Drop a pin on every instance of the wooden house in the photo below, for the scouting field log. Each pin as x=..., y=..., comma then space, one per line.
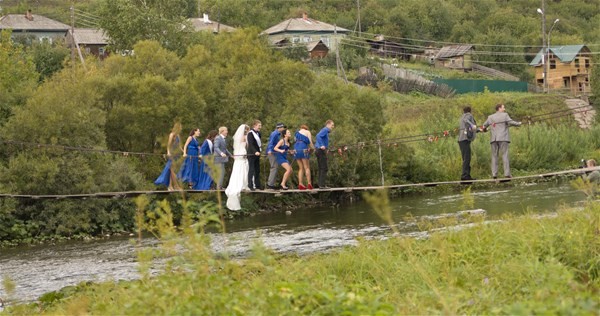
x=455, y=57
x=89, y=41
x=317, y=49
x=33, y=27
x=305, y=30
x=388, y=49
x=568, y=68
x=204, y=24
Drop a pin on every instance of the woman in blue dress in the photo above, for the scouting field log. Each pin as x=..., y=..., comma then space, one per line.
x=281, y=150
x=168, y=177
x=302, y=148
x=205, y=179
x=189, y=169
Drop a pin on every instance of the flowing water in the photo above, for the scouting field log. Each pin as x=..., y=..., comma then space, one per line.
x=40, y=269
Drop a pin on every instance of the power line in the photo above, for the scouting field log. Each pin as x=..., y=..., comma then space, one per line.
x=393, y=52
x=360, y=144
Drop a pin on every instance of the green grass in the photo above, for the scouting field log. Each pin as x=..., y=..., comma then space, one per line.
x=521, y=265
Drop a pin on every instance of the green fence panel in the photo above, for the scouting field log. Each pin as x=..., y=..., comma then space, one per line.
x=468, y=86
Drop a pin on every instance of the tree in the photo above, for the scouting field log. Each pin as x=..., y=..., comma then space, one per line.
x=128, y=22
x=18, y=77
x=48, y=57
x=595, y=81
x=63, y=112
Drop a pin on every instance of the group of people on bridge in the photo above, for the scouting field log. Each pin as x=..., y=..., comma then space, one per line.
x=202, y=162
x=213, y=154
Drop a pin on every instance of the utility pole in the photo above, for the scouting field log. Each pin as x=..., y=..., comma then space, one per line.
x=545, y=48
x=358, y=9
x=337, y=50
x=218, y=18
x=73, y=33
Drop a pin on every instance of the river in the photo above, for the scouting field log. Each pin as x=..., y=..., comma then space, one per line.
x=40, y=269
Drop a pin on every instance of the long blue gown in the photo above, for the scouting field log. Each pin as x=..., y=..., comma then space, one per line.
x=165, y=175
x=204, y=178
x=189, y=170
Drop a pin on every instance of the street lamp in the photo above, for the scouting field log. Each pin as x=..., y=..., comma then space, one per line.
x=548, y=54
x=545, y=80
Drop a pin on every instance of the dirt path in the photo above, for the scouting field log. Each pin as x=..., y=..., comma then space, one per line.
x=585, y=118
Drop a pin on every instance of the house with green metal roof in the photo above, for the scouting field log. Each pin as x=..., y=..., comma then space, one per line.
x=568, y=68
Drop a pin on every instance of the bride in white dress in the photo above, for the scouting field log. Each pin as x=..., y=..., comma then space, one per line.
x=239, y=173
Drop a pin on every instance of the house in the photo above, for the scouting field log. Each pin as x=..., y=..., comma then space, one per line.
x=306, y=30
x=33, y=27
x=384, y=48
x=205, y=24
x=89, y=41
x=455, y=57
x=317, y=49
x=569, y=68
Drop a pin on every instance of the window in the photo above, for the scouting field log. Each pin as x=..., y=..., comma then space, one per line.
x=306, y=39
x=295, y=39
x=101, y=51
x=553, y=64
x=576, y=62
x=567, y=82
x=587, y=63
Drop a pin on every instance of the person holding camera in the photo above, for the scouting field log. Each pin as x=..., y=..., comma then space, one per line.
x=594, y=176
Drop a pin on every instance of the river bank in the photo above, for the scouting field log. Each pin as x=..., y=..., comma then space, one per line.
x=261, y=205
x=375, y=276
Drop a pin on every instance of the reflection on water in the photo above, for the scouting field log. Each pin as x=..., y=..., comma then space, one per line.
x=40, y=269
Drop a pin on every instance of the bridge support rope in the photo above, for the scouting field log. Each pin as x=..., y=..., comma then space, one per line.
x=128, y=194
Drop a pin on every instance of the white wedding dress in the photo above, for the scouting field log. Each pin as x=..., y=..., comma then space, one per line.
x=239, y=173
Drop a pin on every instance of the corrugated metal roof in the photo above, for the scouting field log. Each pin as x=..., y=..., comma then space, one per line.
x=565, y=53
x=18, y=22
x=453, y=51
x=90, y=37
x=303, y=25
x=200, y=25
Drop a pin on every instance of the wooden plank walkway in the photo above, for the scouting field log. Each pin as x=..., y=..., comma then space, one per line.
x=127, y=194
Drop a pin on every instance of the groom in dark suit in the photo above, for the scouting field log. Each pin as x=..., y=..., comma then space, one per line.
x=254, y=144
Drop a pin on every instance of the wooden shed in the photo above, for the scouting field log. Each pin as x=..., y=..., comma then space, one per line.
x=455, y=57
x=317, y=49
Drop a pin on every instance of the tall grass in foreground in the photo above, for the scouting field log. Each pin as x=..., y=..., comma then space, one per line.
x=521, y=265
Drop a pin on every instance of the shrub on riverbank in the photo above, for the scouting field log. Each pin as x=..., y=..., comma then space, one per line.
x=522, y=265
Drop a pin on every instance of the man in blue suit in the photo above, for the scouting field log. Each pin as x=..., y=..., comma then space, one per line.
x=322, y=145
x=273, y=139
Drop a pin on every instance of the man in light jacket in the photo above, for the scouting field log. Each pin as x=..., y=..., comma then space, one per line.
x=500, y=138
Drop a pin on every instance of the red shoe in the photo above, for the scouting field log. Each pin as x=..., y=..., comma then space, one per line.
x=301, y=187
x=310, y=187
